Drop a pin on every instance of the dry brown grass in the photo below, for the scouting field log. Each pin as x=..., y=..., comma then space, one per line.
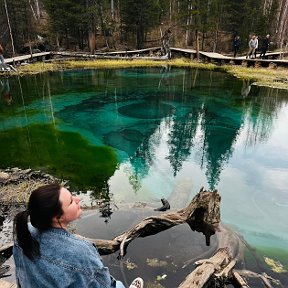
x=20, y=192
x=271, y=77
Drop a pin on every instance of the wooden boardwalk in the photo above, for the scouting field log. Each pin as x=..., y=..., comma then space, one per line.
x=222, y=59
x=24, y=58
x=153, y=53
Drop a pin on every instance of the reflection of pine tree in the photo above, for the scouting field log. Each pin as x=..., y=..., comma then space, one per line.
x=220, y=133
x=180, y=142
x=260, y=112
x=143, y=158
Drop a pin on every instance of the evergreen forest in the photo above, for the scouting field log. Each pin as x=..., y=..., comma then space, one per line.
x=107, y=25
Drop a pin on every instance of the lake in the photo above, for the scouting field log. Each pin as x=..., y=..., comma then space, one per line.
x=137, y=135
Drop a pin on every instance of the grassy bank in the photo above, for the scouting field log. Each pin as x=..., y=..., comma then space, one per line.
x=275, y=78
x=271, y=77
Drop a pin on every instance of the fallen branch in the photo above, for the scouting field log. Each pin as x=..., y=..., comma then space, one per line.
x=263, y=277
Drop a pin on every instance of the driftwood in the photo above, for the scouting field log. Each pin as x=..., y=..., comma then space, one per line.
x=217, y=271
x=200, y=276
x=204, y=208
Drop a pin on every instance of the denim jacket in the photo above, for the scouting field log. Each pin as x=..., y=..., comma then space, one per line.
x=65, y=261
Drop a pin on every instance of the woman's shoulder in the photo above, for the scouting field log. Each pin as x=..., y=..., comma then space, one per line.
x=64, y=248
x=64, y=240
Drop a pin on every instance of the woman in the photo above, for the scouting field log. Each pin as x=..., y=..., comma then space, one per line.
x=47, y=255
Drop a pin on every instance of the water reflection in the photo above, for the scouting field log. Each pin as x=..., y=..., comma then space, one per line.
x=5, y=92
x=246, y=87
x=201, y=114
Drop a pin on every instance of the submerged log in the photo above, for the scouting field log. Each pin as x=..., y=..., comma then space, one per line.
x=204, y=209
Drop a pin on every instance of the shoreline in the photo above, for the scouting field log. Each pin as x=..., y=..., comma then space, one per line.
x=268, y=77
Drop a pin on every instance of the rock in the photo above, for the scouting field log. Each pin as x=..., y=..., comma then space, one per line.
x=4, y=176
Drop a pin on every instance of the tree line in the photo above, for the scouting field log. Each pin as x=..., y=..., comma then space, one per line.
x=127, y=24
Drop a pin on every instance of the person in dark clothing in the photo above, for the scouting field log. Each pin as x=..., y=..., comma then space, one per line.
x=2, y=61
x=265, y=46
x=236, y=44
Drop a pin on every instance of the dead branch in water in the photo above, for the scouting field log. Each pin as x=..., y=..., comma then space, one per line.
x=204, y=208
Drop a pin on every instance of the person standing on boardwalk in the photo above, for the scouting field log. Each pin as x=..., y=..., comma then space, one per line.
x=2, y=61
x=236, y=44
x=256, y=47
x=47, y=255
x=166, y=43
x=252, y=45
x=265, y=46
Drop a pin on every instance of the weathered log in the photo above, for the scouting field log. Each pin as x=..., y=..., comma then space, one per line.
x=202, y=274
x=204, y=208
x=238, y=279
x=225, y=272
x=218, y=270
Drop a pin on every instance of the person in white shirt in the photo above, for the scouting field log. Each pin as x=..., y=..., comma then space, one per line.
x=252, y=45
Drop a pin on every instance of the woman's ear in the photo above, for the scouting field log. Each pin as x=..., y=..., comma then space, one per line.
x=56, y=221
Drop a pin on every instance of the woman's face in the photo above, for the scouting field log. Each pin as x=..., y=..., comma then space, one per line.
x=70, y=207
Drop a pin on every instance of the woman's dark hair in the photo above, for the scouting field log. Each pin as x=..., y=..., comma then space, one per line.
x=42, y=207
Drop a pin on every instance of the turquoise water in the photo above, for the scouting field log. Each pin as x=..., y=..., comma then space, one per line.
x=142, y=134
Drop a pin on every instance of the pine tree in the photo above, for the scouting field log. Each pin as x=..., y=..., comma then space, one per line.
x=139, y=17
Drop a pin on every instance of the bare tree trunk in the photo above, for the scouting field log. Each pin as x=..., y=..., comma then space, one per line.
x=188, y=24
x=215, y=39
x=197, y=43
x=282, y=22
x=9, y=26
x=38, y=12
x=170, y=12
x=57, y=41
x=92, y=42
x=32, y=9
x=266, y=6
x=217, y=29
x=112, y=9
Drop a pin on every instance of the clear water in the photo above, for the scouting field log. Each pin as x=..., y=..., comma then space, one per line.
x=142, y=134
